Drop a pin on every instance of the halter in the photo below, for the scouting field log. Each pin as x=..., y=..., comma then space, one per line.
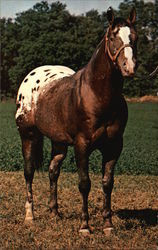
x=114, y=57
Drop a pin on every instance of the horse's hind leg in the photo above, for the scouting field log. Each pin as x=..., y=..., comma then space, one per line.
x=31, y=143
x=58, y=155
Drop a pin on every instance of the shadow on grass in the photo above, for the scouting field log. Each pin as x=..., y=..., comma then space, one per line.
x=147, y=216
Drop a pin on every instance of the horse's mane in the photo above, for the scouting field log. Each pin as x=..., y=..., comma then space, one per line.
x=96, y=50
x=119, y=20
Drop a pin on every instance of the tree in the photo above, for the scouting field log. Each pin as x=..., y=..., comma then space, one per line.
x=49, y=34
x=54, y=37
x=9, y=50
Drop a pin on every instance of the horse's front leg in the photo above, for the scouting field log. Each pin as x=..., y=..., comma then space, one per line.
x=58, y=155
x=84, y=180
x=107, y=182
x=110, y=156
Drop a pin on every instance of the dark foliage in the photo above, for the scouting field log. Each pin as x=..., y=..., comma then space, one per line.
x=49, y=34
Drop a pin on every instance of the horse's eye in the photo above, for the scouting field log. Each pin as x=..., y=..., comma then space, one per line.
x=111, y=39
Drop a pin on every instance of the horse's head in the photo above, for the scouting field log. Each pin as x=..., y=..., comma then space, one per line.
x=121, y=39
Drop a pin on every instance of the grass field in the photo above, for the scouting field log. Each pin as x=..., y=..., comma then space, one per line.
x=134, y=207
x=139, y=156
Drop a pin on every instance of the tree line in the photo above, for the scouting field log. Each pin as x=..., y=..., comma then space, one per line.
x=48, y=34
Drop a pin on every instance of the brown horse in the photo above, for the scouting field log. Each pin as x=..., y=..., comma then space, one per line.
x=84, y=109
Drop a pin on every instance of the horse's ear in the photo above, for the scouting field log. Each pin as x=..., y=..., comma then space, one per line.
x=132, y=16
x=110, y=15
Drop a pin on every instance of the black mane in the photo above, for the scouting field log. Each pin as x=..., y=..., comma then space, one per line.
x=119, y=21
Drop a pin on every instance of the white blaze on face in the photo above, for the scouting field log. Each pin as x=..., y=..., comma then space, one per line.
x=124, y=33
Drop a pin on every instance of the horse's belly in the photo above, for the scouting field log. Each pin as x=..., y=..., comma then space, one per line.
x=54, y=115
x=54, y=130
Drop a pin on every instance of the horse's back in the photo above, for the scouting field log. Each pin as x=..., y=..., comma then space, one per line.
x=31, y=87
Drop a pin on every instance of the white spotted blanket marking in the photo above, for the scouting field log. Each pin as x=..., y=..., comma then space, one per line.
x=34, y=81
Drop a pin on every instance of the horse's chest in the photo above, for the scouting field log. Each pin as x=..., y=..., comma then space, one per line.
x=113, y=128
x=109, y=129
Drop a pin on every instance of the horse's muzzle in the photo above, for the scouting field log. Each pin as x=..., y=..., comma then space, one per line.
x=128, y=73
x=128, y=70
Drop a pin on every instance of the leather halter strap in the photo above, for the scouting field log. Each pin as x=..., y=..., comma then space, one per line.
x=114, y=57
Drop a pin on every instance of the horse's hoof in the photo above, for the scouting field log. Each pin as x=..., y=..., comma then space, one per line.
x=85, y=231
x=108, y=231
x=55, y=216
x=29, y=221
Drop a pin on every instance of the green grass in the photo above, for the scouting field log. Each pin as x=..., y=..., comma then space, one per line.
x=140, y=153
x=139, y=156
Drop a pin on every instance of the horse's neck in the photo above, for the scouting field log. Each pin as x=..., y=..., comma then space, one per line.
x=104, y=79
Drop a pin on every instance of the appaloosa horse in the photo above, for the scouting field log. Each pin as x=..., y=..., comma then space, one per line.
x=84, y=109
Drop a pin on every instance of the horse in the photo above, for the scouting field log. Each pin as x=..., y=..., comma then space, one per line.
x=84, y=109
